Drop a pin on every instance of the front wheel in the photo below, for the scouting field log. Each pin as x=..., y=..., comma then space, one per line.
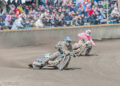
x=64, y=63
x=87, y=52
x=35, y=66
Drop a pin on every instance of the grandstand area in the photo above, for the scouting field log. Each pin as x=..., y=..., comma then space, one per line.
x=29, y=14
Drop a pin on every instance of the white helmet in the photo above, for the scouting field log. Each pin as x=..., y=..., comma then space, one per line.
x=88, y=32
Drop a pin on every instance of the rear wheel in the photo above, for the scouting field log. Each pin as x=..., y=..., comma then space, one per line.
x=88, y=51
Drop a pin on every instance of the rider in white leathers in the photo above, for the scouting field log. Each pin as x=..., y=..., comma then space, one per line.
x=63, y=47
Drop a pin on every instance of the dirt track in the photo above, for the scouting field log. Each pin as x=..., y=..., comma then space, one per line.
x=102, y=69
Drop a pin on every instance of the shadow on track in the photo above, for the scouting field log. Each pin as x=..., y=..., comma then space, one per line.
x=67, y=69
x=75, y=68
x=91, y=55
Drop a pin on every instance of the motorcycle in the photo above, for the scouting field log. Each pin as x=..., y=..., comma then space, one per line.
x=63, y=64
x=84, y=48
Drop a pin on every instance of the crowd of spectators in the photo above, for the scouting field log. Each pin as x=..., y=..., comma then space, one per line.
x=56, y=13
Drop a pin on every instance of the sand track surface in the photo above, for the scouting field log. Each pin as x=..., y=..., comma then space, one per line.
x=102, y=68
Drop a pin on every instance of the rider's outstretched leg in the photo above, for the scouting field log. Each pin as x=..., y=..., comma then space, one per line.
x=55, y=62
x=54, y=55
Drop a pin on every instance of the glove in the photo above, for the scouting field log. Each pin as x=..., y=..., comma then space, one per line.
x=67, y=52
x=72, y=54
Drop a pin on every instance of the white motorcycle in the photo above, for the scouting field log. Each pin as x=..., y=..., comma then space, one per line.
x=63, y=64
x=85, y=49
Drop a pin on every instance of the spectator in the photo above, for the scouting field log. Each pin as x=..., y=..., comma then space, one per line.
x=39, y=23
x=115, y=12
x=56, y=13
x=118, y=18
x=113, y=19
x=17, y=24
x=100, y=5
x=68, y=19
x=93, y=18
x=7, y=21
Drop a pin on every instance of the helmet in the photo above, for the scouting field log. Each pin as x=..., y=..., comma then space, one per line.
x=67, y=38
x=88, y=32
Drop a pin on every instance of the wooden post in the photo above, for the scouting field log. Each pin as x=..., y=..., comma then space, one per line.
x=119, y=5
x=107, y=12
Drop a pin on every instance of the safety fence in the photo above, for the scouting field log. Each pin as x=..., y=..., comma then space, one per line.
x=33, y=37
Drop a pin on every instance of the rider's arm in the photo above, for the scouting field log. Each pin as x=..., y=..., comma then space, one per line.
x=64, y=48
x=80, y=35
x=93, y=43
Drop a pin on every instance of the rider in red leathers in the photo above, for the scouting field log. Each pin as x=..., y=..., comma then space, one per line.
x=84, y=44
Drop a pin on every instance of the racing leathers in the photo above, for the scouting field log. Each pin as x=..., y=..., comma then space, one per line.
x=63, y=47
x=85, y=42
